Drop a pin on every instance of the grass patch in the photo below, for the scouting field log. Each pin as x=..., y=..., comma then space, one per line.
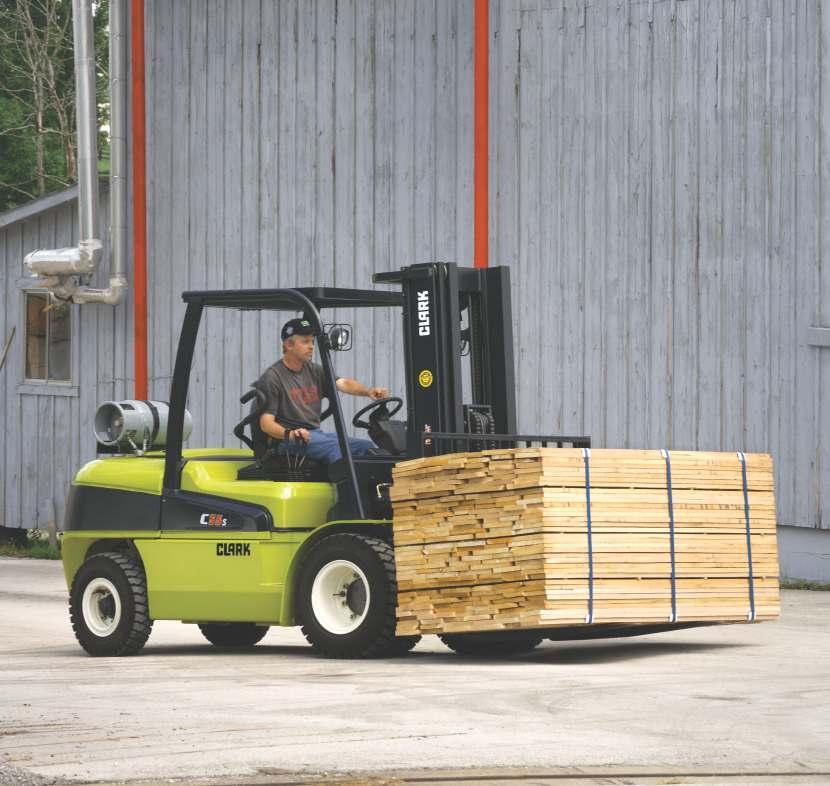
x=801, y=584
x=36, y=546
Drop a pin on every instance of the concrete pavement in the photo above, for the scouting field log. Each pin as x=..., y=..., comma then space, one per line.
x=733, y=700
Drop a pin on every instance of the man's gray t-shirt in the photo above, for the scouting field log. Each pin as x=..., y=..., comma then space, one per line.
x=293, y=397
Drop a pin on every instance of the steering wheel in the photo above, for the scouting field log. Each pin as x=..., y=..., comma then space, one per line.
x=356, y=421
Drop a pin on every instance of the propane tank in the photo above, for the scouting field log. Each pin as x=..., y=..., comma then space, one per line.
x=135, y=425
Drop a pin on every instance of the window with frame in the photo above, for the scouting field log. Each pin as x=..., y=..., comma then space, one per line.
x=48, y=339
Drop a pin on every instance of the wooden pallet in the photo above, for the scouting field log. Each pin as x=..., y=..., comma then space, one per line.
x=499, y=539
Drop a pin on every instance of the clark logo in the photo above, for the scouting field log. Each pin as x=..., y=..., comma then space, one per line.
x=233, y=549
x=213, y=520
x=425, y=378
x=423, y=313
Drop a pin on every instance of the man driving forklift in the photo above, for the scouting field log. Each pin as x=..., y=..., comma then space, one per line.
x=294, y=387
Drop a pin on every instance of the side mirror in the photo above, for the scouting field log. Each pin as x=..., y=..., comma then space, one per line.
x=340, y=337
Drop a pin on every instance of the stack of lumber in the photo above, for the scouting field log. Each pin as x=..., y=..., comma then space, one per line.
x=500, y=539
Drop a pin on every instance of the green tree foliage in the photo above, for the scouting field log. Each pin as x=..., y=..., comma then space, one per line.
x=38, y=146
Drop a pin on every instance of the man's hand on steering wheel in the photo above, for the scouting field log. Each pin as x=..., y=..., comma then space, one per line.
x=297, y=435
x=378, y=393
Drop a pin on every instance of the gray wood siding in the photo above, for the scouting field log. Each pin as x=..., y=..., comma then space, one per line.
x=656, y=176
x=657, y=173
x=299, y=143
x=47, y=433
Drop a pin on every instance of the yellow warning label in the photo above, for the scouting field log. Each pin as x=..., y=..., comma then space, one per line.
x=425, y=378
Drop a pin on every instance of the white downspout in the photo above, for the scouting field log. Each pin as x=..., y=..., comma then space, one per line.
x=63, y=270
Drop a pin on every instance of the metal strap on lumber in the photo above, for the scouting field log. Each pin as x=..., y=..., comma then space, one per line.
x=751, y=615
x=673, y=615
x=586, y=455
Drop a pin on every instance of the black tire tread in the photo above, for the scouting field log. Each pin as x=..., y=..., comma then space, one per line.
x=385, y=643
x=141, y=625
x=233, y=634
x=514, y=642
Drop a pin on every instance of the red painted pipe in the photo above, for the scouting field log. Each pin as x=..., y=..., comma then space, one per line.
x=481, y=139
x=139, y=200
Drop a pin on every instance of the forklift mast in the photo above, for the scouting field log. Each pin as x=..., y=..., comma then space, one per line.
x=450, y=312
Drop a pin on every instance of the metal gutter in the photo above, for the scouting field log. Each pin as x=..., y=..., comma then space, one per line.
x=139, y=160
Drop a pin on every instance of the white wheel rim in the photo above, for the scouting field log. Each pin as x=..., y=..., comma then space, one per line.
x=336, y=595
x=101, y=607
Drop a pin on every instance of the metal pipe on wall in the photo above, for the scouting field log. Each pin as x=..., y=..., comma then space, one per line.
x=62, y=270
x=118, y=138
x=86, y=118
x=114, y=294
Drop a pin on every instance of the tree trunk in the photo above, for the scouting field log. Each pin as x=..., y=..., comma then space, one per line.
x=40, y=168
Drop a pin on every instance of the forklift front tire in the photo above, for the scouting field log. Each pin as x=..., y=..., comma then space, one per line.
x=347, y=598
x=233, y=634
x=108, y=605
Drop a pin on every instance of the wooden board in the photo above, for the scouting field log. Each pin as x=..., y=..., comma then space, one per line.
x=499, y=539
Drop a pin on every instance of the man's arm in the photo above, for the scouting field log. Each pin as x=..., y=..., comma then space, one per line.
x=355, y=388
x=267, y=420
x=268, y=424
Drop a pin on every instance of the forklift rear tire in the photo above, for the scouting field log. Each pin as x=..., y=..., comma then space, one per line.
x=513, y=642
x=347, y=595
x=108, y=605
x=233, y=634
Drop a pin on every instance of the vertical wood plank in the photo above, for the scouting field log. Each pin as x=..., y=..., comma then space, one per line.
x=422, y=95
x=660, y=253
x=530, y=178
x=270, y=142
x=823, y=415
x=504, y=170
x=13, y=373
x=614, y=262
x=212, y=322
x=251, y=199
x=806, y=458
x=363, y=188
x=685, y=261
x=6, y=325
x=572, y=254
x=733, y=339
x=445, y=184
x=159, y=221
x=237, y=17
x=709, y=230
x=28, y=460
x=389, y=363
x=594, y=219
x=197, y=195
x=463, y=86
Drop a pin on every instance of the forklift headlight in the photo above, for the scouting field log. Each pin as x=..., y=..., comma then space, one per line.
x=135, y=425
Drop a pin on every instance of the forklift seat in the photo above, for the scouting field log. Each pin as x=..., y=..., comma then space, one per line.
x=269, y=465
x=257, y=442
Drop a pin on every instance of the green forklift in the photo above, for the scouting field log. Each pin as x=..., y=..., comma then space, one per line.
x=238, y=540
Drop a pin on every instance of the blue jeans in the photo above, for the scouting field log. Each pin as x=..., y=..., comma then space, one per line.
x=324, y=447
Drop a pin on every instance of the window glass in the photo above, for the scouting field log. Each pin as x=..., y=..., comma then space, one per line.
x=36, y=319
x=48, y=338
x=59, y=334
